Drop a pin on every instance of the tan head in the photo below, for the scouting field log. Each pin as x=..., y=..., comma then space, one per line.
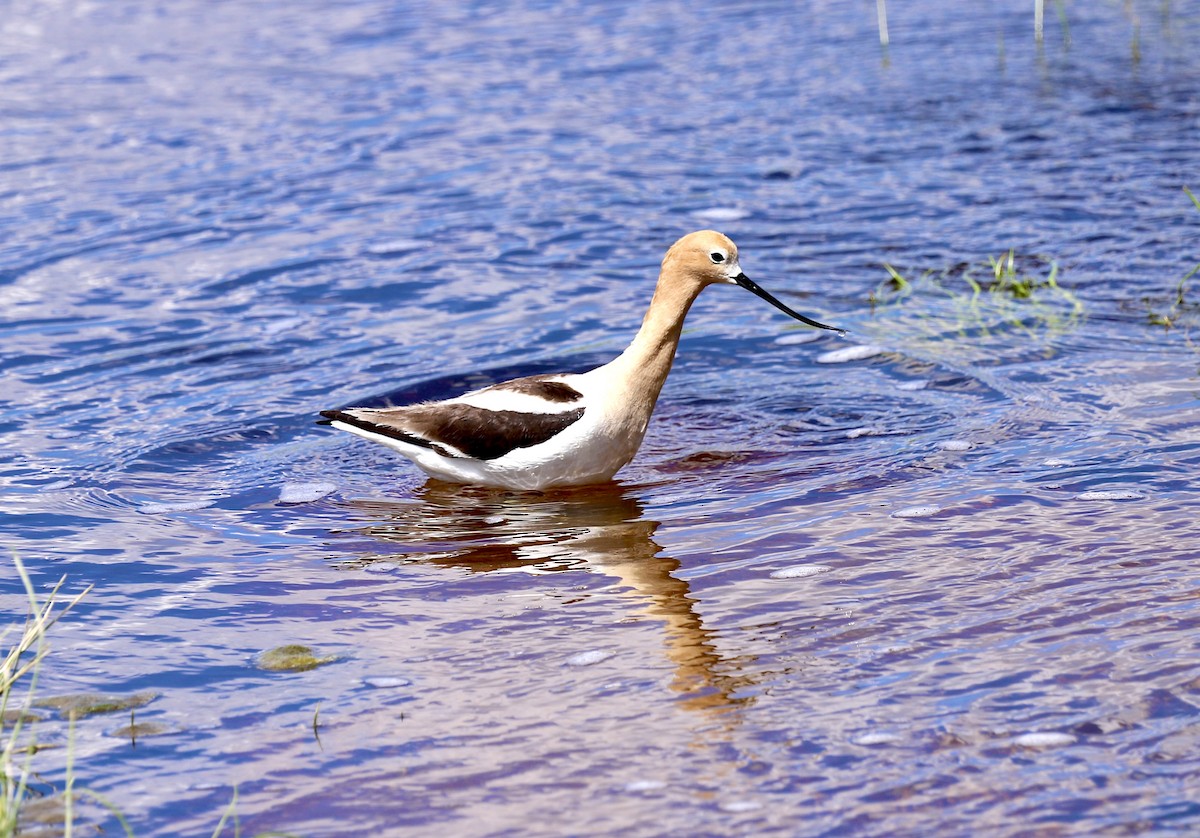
x=707, y=257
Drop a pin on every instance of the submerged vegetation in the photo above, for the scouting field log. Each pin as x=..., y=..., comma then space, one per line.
x=1180, y=306
x=90, y=704
x=292, y=658
x=1005, y=292
x=20, y=807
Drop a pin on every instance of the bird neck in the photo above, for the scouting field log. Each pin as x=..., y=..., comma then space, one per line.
x=647, y=361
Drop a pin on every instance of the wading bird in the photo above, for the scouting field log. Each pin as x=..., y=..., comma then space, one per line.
x=546, y=431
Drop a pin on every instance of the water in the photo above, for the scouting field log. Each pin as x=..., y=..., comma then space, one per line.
x=938, y=575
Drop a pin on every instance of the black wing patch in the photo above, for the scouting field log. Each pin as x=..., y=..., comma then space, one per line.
x=478, y=433
x=541, y=387
x=381, y=426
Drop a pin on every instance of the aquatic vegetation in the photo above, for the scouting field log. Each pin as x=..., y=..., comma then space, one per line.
x=20, y=668
x=1003, y=293
x=79, y=705
x=1180, y=307
x=140, y=730
x=292, y=658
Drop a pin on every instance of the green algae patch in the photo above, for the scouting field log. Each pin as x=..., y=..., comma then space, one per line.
x=91, y=704
x=292, y=658
x=11, y=717
x=141, y=730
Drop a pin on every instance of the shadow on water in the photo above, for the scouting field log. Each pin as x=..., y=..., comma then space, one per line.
x=601, y=529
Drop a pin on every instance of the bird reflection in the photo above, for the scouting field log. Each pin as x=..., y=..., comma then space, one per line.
x=598, y=528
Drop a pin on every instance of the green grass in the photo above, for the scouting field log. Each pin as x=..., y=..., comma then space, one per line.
x=1180, y=307
x=1008, y=292
x=18, y=682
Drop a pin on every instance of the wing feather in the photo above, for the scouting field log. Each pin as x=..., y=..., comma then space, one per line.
x=454, y=429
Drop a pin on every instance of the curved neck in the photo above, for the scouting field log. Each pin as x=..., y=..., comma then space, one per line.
x=647, y=361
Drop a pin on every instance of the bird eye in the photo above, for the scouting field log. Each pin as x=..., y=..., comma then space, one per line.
x=717, y=257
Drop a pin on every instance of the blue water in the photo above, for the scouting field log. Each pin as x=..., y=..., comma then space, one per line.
x=830, y=596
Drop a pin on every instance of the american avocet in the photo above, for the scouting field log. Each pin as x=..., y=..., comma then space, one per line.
x=561, y=430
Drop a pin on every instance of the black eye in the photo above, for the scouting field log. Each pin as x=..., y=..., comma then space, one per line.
x=717, y=257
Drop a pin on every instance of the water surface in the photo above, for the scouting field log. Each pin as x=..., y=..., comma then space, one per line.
x=940, y=575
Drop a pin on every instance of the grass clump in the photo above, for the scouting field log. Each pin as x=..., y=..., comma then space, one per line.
x=1180, y=305
x=1009, y=292
x=18, y=672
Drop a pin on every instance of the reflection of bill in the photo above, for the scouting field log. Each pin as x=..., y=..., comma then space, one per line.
x=599, y=528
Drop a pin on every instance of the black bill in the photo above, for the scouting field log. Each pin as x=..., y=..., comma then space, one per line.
x=754, y=288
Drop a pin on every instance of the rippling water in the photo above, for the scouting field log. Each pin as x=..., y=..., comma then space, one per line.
x=938, y=576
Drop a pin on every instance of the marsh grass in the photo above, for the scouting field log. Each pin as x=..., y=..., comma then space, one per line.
x=18, y=684
x=19, y=672
x=1181, y=311
x=1005, y=293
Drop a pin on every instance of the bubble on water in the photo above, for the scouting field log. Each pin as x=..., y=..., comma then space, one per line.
x=915, y=384
x=1115, y=494
x=955, y=445
x=380, y=567
x=645, y=785
x=1044, y=739
x=736, y=806
x=387, y=682
x=305, y=492
x=875, y=737
x=795, y=338
x=590, y=657
x=174, y=506
x=393, y=247
x=1055, y=462
x=721, y=213
x=917, y=511
x=850, y=353
x=855, y=433
x=800, y=571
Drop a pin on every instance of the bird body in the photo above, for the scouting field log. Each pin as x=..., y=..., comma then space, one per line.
x=548, y=431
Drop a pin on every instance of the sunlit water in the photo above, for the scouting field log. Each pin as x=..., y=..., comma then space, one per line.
x=938, y=575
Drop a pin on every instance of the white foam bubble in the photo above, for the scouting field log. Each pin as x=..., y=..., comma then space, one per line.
x=855, y=433
x=387, y=682
x=1115, y=494
x=850, y=353
x=794, y=338
x=875, y=737
x=395, y=246
x=955, y=445
x=1044, y=739
x=1055, y=462
x=645, y=785
x=721, y=213
x=917, y=511
x=379, y=567
x=590, y=657
x=305, y=492
x=915, y=384
x=800, y=571
x=174, y=506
